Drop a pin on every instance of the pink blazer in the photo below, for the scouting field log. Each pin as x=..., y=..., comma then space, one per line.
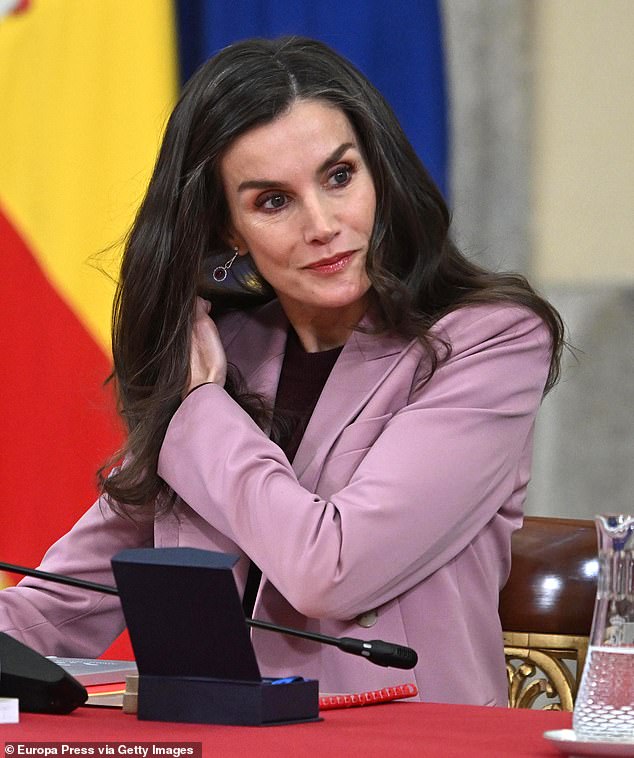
x=393, y=523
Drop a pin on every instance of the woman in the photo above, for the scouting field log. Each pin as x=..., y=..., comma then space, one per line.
x=364, y=438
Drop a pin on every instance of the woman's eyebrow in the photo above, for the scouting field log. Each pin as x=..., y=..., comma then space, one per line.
x=267, y=183
x=335, y=156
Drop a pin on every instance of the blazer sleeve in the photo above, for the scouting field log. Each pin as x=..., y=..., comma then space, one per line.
x=60, y=620
x=441, y=469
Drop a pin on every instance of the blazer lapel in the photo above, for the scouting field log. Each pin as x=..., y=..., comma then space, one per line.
x=257, y=346
x=362, y=366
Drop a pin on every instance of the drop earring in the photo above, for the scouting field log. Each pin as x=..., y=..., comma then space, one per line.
x=220, y=272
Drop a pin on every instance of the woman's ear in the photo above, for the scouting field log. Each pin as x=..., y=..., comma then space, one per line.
x=234, y=241
x=239, y=247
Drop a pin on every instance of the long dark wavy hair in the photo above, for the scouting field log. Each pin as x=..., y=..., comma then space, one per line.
x=417, y=273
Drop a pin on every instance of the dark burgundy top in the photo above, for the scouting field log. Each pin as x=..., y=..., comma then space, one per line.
x=302, y=379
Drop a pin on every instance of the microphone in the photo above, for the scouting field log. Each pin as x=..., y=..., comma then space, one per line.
x=376, y=651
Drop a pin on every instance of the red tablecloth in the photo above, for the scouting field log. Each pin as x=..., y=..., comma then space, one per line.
x=392, y=729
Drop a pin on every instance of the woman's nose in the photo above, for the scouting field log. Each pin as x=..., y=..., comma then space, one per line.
x=320, y=222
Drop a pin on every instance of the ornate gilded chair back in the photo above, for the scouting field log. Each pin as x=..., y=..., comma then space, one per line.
x=546, y=610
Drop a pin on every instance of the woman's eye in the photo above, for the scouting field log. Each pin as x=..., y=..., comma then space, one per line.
x=340, y=176
x=272, y=202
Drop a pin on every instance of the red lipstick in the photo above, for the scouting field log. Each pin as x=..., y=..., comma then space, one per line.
x=331, y=265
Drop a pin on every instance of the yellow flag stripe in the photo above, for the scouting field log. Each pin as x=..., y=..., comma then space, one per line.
x=86, y=86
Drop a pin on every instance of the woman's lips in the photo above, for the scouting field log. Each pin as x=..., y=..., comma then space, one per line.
x=331, y=265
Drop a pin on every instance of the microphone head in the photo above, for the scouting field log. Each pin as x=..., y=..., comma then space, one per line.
x=380, y=652
x=404, y=657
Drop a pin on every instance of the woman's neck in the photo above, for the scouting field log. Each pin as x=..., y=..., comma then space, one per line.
x=324, y=329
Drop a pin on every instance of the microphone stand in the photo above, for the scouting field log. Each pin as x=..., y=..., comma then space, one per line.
x=376, y=651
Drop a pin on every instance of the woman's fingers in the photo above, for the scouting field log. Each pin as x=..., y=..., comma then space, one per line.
x=202, y=306
x=207, y=360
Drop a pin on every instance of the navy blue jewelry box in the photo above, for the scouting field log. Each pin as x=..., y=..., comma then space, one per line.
x=192, y=647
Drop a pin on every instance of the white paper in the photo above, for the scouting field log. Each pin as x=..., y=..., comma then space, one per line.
x=9, y=711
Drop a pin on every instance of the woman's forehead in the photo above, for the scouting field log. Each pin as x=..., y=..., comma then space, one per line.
x=307, y=133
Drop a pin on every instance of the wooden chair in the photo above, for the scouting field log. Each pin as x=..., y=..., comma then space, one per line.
x=546, y=610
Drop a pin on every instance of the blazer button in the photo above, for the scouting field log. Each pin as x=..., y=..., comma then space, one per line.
x=367, y=619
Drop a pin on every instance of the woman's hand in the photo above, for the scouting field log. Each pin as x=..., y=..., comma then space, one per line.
x=207, y=360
